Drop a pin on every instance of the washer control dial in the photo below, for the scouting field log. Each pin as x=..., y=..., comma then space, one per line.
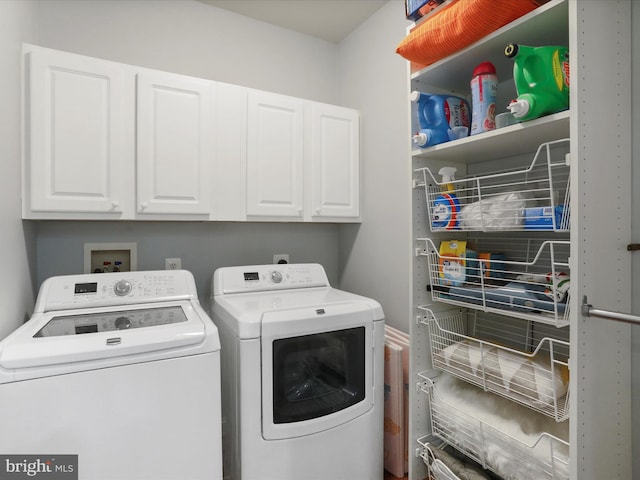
x=276, y=276
x=122, y=323
x=122, y=288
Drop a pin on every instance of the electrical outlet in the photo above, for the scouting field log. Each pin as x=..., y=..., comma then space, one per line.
x=172, y=263
x=281, y=258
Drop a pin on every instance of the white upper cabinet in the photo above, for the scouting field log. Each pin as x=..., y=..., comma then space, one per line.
x=303, y=159
x=174, y=143
x=111, y=141
x=75, y=112
x=275, y=155
x=334, y=162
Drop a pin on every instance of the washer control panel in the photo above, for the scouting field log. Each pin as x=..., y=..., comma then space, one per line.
x=111, y=321
x=100, y=289
x=258, y=278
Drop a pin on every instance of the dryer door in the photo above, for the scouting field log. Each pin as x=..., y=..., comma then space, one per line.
x=317, y=368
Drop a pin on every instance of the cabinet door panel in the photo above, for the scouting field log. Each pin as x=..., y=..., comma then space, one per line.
x=175, y=129
x=76, y=121
x=335, y=161
x=275, y=151
x=230, y=171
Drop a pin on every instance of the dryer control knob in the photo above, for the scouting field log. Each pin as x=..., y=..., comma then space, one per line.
x=122, y=288
x=122, y=323
x=276, y=277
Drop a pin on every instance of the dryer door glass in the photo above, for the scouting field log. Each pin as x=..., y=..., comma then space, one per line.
x=319, y=374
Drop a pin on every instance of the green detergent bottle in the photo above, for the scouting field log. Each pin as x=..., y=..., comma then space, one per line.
x=541, y=75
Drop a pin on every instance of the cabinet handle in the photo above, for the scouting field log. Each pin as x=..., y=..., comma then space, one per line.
x=144, y=205
x=318, y=211
x=115, y=204
x=589, y=311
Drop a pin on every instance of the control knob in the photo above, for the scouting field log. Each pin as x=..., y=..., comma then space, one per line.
x=122, y=323
x=122, y=288
x=276, y=277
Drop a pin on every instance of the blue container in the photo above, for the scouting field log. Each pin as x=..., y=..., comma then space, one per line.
x=541, y=218
x=441, y=118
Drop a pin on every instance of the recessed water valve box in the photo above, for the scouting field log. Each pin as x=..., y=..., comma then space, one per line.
x=110, y=257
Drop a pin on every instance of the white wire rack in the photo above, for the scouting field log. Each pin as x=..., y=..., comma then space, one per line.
x=545, y=458
x=435, y=470
x=426, y=453
x=535, y=373
x=533, y=198
x=530, y=280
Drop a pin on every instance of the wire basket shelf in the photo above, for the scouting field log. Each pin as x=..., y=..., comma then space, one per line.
x=533, y=198
x=528, y=278
x=546, y=457
x=436, y=468
x=535, y=374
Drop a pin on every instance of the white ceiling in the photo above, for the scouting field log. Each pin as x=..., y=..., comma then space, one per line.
x=331, y=20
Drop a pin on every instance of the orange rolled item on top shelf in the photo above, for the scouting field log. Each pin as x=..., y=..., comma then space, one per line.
x=457, y=25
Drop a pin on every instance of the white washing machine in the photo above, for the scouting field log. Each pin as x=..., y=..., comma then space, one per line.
x=120, y=369
x=302, y=375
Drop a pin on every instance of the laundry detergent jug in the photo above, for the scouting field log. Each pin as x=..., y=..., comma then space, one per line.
x=440, y=118
x=541, y=75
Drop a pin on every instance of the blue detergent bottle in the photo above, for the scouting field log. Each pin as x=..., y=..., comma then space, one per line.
x=446, y=205
x=441, y=118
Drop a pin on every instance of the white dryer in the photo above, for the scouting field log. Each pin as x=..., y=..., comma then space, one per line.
x=302, y=375
x=120, y=369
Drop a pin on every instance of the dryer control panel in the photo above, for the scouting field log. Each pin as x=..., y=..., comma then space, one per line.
x=261, y=278
x=122, y=288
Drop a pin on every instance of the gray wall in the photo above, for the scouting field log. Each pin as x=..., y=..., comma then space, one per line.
x=375, y=256
x=203, y=246
x=17, y=241
x=191, y=38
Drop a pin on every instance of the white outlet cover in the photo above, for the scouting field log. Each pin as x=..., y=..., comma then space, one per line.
x=278, y=257
x=172, y=263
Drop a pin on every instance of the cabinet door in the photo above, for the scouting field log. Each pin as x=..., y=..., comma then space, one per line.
x=275, y=150
x=335, y=161
x=229, y=186
x=175, y=134
x=76, y=123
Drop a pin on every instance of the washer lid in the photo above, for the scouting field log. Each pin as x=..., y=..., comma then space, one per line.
x=77, y=336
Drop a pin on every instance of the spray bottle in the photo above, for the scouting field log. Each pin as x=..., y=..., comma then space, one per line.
x=541, y=75
x=446, y=205
x=441, y=118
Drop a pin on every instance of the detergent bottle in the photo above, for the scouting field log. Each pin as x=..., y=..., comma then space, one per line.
x=446, y=205
x=440, y=117
x=541, y=75
x=484, y=86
